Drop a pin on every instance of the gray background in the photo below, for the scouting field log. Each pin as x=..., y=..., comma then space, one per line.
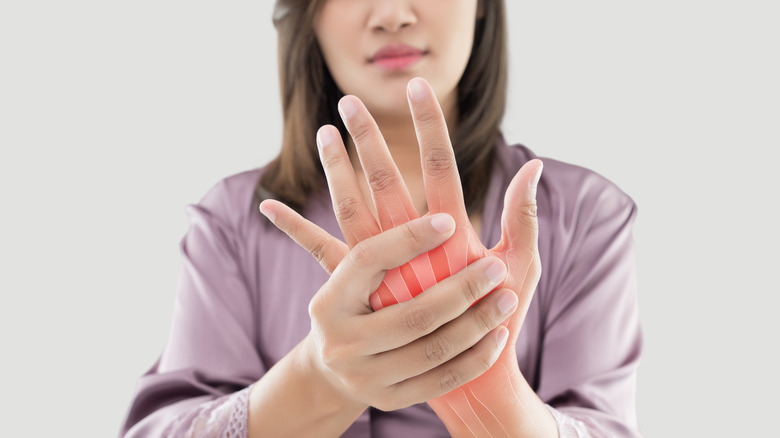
x=114, y=115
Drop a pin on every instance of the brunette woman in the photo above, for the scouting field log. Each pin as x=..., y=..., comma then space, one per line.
x=414, y=327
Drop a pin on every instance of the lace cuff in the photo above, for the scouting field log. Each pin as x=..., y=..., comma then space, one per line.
x=569, y=427
x=225, y=417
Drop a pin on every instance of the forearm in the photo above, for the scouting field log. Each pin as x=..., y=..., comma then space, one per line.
x=499, y=403
x=291, y=401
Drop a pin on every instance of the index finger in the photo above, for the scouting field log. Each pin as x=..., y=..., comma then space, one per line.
x=391, y=197
x=440, y=170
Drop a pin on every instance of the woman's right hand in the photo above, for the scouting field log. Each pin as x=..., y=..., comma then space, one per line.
x=407, y=353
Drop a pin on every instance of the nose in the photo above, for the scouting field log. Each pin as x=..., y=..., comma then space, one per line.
x=392, y=15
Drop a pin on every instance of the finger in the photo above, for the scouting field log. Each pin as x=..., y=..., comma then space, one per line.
x=354, y=218
x=519, y=224
x=519, y=236
x=363, y=268
x=525, y=268
x=440, y=171
x=404, y=323
x=427, y=269
x=328, y=250
x=408, y=280
x=449, y=341
x=462, y=369
x=391, y=197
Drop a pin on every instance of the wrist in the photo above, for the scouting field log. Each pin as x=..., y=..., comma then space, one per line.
x=510, y=405
x=293, y=399
x=324, y=390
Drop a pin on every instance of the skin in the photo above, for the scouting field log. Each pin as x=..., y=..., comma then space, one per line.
x=349, y=32
x=484, y=405
x=455, y=336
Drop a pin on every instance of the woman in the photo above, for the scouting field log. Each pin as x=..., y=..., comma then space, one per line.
x=265, y=343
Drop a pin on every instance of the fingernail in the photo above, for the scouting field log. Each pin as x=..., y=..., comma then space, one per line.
x=417, y=89
x=496, y=272
x=347, y=108
x=507, y=302
x=324, y=136
x=442, y=222
x=537, y=177
x=267, y=213
x=535, y=182
x=501, y=336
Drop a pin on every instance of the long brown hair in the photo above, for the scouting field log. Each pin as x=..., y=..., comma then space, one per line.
x=310, y=97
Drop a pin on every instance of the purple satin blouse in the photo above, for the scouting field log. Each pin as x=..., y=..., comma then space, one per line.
x=244, y=289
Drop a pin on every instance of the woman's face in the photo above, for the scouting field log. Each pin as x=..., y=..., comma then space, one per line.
x=374, y=47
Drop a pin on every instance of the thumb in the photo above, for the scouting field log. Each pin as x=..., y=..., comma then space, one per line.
x=519, y=225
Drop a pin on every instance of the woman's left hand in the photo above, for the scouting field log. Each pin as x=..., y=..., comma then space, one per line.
x=497, y=399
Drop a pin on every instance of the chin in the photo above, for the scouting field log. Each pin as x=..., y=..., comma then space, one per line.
x=386, y=99
x=389, y=108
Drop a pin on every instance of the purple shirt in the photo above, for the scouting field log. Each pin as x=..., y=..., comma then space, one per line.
x=244, y=290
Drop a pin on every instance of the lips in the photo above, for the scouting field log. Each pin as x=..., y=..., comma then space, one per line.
x=396, y=57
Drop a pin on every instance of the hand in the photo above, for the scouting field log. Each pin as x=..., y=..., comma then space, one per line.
x=404, y=354
x=517, y=247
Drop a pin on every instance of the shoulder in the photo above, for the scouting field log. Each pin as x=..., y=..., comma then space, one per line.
x=233, y=191
x=574, y=188
x=231, y=202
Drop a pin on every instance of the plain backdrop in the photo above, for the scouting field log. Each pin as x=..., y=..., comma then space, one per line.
x=115, y=115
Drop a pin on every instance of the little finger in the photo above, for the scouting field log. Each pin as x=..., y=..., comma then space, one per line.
x=326, y=249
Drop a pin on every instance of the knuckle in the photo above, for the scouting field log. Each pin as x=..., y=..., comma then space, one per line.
x=382, y=180
x=418, y=320
x=438, y=349
x=412, y=234
x=330, y=162
x=347, y=208
x=438, y=162
x=330, y=354
x=450, y=380
x=427, y=116
x=361, y=255
x=530, y=209
x=484, y=319
x=356, y=382
x=360, y=132
x=529, y=213
x=336, y=354
x=472, y=289
x=483, y=363
x=315, y=308
x=318, y=250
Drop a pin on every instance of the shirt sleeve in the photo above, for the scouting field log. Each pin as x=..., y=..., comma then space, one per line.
x=200, y=384
x=568, y=427
x=592, y=336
